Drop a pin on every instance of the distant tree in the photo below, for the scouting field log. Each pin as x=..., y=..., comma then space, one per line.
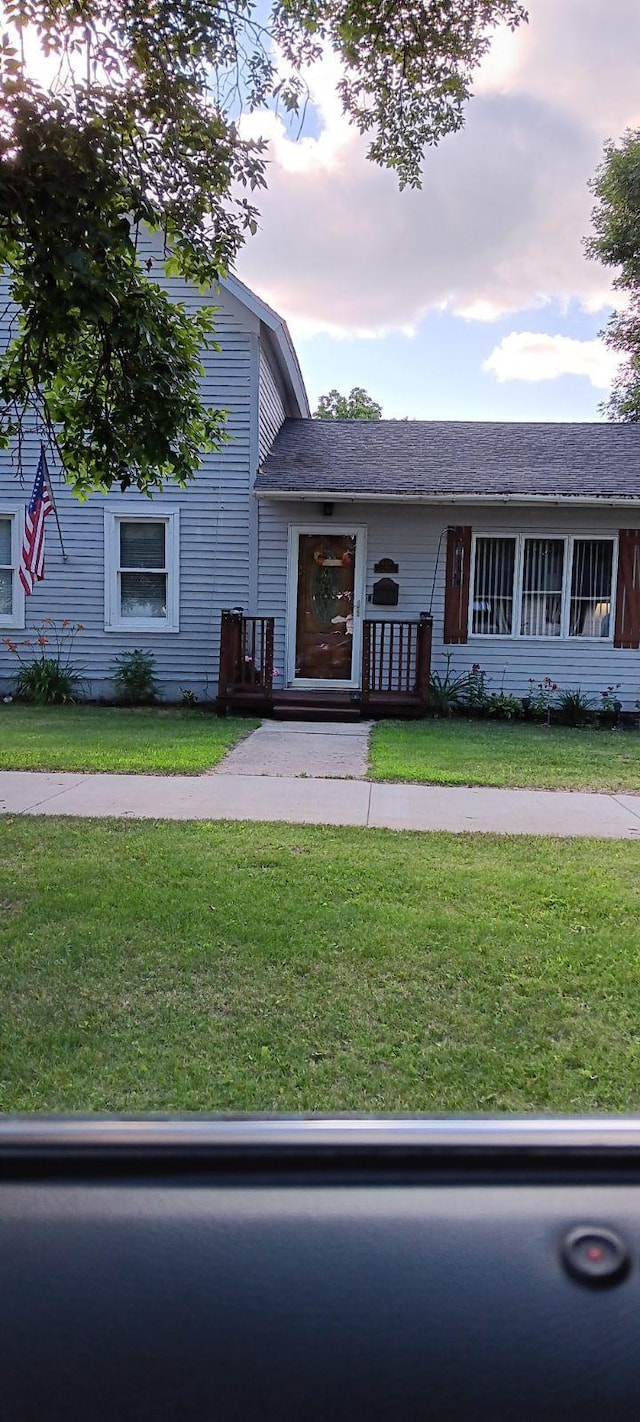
x=358, y=405
x=616, y=220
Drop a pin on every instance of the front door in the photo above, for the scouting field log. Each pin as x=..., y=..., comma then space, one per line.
x=326, y=573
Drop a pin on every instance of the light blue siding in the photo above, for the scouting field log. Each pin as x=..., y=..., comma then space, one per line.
x=272, y=404
x=214, y=540
x=414, y=536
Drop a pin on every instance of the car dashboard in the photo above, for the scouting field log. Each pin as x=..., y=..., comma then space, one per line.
x=323, y=1268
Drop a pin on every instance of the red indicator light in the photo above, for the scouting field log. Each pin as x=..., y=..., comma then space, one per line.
x=594, y=1253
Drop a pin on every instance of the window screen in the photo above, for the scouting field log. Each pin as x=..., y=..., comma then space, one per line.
x=542, y=578
x=142, y=593
x=591, y=573
x=493, y=586
x=6, y=569
x=142, y=545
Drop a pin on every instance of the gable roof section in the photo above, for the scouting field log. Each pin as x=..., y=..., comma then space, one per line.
x=280, y=345
x=444, y=461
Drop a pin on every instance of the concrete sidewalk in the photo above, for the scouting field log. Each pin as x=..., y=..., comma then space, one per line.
x=328, y=802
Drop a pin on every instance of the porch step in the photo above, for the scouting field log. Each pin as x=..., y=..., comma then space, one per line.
x=297, y=711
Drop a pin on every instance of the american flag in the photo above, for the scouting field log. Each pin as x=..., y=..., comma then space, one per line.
x=40, y=504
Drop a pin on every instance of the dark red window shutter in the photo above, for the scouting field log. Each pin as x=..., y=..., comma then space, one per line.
x=456, y=591
x=627, y=629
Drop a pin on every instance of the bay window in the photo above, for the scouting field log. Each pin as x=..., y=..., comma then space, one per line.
x=542, y=587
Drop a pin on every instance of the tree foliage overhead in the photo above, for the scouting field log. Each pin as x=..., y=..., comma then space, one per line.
x=128, y=116
x=358, y=405
x=616, y=220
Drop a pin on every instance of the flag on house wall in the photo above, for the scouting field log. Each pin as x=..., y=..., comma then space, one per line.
x=40, y=504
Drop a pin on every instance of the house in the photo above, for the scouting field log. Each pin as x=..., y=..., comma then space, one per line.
x=328, y=566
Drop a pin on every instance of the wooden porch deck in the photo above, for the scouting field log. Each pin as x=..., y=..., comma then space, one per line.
x=394, y=680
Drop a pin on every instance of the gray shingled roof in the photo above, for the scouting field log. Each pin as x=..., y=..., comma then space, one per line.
x=422, y=457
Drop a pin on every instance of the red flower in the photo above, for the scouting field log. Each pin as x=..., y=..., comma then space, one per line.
x=79, y=627
x=42, y=641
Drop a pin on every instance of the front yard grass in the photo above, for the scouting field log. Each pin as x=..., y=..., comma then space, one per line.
x=219, y=967
x=101, y=738
x=505, y=753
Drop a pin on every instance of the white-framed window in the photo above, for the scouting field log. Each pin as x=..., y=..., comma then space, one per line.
x=11, y=589
x=542, y=586
x=142, y=571
x=543, y=563
x=493, y=581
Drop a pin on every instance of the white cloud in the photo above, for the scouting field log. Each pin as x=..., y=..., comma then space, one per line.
x=527, y=355
x=500, y=222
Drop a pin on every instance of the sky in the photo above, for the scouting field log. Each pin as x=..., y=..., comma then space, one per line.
x=471, y=298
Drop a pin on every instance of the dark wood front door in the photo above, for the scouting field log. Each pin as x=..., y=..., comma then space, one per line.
x=325, y=626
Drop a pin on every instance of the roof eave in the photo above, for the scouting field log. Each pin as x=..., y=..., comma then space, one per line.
x=285, y=352
x=523, y=500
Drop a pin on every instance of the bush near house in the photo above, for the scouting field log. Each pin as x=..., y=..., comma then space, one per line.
x=468, y=693
x=134, y=678
x=47, y=675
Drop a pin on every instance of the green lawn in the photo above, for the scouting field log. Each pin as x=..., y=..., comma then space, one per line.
x=116, y=739
x=172, y=967
x=458, y=752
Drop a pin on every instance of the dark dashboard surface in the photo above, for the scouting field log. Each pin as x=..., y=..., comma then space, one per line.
x=321, y=1269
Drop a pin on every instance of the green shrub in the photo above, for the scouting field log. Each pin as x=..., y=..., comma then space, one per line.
x=475, y=696
x=504, y=707
x=574, y=708
x=48, y=677
x=609, y=708
x=446, y=693
x=540, y=700
x=133, y=678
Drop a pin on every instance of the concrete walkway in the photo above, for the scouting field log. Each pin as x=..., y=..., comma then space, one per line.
x=329, y=802
x=323, y=749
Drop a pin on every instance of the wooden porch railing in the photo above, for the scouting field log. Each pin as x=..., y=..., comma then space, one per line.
x=396, y=663
x=246, y=657
x=396, y=660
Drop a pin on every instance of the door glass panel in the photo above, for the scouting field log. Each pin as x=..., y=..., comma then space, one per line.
x=324, y=619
